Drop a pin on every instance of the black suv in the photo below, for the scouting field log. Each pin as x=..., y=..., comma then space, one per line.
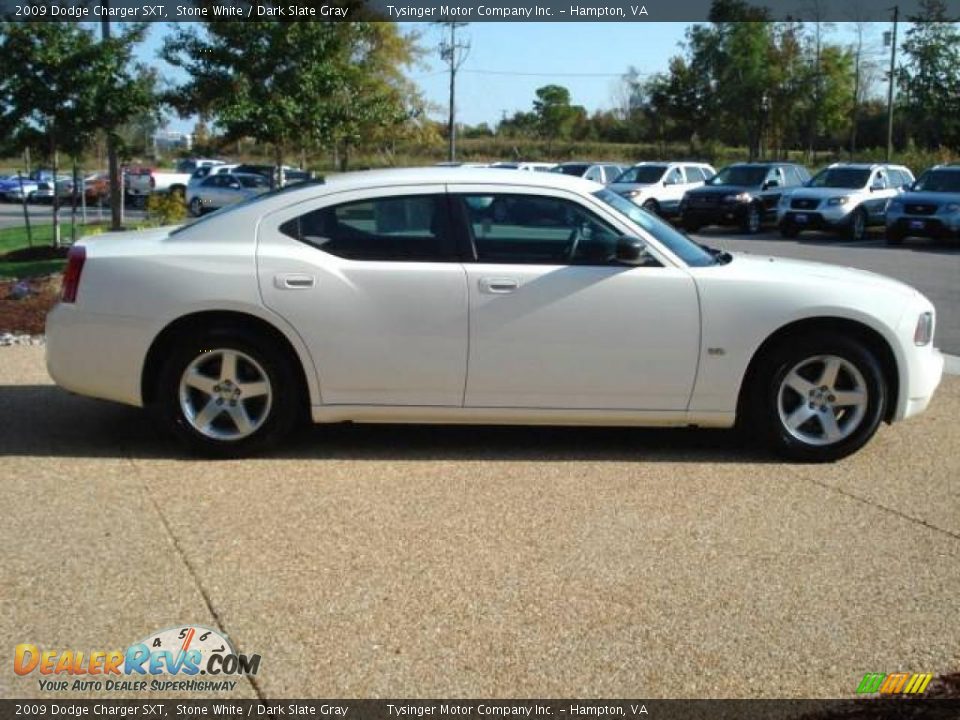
x=744, y=194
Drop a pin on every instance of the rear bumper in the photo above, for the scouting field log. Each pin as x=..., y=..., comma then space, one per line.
x=97, y=355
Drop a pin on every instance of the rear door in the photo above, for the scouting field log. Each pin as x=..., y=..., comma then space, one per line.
x=372, y=282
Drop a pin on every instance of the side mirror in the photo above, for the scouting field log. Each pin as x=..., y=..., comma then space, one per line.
x=631, y=250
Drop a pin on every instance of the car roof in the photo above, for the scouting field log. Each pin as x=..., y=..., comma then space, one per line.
x=460, y=176
x=867, y=166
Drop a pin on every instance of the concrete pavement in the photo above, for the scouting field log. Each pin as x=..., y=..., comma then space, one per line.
x=412, y=561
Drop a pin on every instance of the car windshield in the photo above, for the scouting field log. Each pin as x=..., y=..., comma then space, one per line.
x=746, y=175
x=575, y=169
x=939, y=181
x=642, y=174
x=850, y=178
x=678, y=243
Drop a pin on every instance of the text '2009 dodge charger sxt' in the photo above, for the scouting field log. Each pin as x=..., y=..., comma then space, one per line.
x=481, y=296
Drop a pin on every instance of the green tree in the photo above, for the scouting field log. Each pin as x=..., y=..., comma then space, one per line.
x=929, y=80
x=556, y=117
x=59, y=84
x=291, y=85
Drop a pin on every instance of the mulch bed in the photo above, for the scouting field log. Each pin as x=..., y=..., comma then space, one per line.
x=40, y=252
x=27, y=315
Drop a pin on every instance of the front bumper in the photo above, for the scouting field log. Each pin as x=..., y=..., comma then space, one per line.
x=719, y=214
x=930, y=226
x=924, y=372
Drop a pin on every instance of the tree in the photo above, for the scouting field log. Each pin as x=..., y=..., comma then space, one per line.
x=59, y=85
x=291, y=85
x=928, y=81
x=556, y=117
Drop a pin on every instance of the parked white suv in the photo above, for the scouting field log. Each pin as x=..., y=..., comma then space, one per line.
x=659, y=186
x=844, y=197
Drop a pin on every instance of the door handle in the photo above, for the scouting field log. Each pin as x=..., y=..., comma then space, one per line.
x=294, y=281
x=499, y=286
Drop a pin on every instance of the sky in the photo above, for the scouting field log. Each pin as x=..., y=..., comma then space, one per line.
x=507, y=62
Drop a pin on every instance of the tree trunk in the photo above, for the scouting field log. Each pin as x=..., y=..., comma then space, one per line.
x=278, y=166
x=345, y=157
x=55, y=161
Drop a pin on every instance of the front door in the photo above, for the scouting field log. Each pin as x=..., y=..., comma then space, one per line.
x=373, y=285
x=557, y=322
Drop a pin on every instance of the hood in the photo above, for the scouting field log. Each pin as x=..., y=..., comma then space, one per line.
x=723, y=190
x=930, y=198
x=788, y=270
x=823, y=193
x=626, y=186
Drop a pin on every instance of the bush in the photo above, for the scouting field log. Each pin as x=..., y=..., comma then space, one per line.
x=166, y=208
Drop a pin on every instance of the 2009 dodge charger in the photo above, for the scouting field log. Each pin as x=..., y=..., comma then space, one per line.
x=481, y=296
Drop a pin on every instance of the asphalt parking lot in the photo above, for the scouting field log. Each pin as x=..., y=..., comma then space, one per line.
x=11, y=214
x=413, y=561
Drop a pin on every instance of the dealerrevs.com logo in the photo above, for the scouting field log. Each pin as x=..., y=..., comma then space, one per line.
x=190, y=658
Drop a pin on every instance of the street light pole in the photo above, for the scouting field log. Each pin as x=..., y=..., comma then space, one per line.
x=893, y=60
x=113, y=163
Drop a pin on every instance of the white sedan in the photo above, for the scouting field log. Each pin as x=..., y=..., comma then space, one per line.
x=445, y=295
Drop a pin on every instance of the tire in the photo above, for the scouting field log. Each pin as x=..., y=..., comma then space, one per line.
x=894, y=236
x=752, y=220
x=857, y=227
x=201, y=402
x=652, y=207
x=789, y=407
x=690, y=225
x=789, y=229
x=196, y=206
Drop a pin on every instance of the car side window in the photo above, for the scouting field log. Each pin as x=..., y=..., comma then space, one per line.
x=879, y=180
x=537, y=230
x=674, y=177
x=694, y=174
x=595, y=173
x=407, y=229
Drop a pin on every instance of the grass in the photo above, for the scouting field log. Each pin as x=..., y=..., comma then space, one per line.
x=15, y=238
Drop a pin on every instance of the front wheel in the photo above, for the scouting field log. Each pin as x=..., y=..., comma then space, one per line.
x=196, y=207
x=690, y=225
x=652, y=207
x=819, y=397
x=226, y=394
x=751, y=220
x=857, y=229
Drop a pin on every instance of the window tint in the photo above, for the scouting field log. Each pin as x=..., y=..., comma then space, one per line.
x=792, y=176
x=536, y=230
x=694, y=174
x=594, y=173
x=412, y=228
x=674, y=177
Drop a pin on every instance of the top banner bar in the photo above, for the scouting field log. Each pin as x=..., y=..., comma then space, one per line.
x=638, y=11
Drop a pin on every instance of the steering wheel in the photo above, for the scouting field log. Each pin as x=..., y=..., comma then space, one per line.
x=572, y=243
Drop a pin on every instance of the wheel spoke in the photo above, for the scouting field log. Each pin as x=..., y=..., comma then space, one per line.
x=799, y=416
x=831, y=431
x=240, y=418
x=228, y=367
x=254, y=389
x=831, y=367
x=201, y=382
x=849, y=398
x=208, y=414
x=799, y=384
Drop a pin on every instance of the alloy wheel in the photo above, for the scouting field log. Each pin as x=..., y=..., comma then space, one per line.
x=225, y=394
x=822, y=400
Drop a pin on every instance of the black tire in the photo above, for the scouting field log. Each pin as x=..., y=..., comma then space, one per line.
x=278, y=416
x=764, y=409
x=652, y=207
x=857, y=227
x=690, y=225
x=894, y=236
x=789, y=229
x=196, y=206
x=752, y=219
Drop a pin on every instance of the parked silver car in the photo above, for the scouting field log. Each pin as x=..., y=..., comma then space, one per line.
x=220, y=190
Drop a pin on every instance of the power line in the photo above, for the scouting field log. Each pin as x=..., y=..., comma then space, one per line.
x=551, y=74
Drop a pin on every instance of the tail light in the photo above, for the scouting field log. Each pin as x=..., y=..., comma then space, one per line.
x=76, y=256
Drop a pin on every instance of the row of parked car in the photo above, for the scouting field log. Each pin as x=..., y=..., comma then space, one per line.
x=845, y=198
x=39, y=186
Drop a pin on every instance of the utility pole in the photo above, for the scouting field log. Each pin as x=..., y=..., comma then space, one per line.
x=113, y=163
x=453, y=53
x=893, y=60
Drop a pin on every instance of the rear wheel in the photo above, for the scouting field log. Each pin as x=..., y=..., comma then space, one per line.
x=857, y=229
x=652, y=207
x=751, y=220
x=227, y=394
x=819, y=397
